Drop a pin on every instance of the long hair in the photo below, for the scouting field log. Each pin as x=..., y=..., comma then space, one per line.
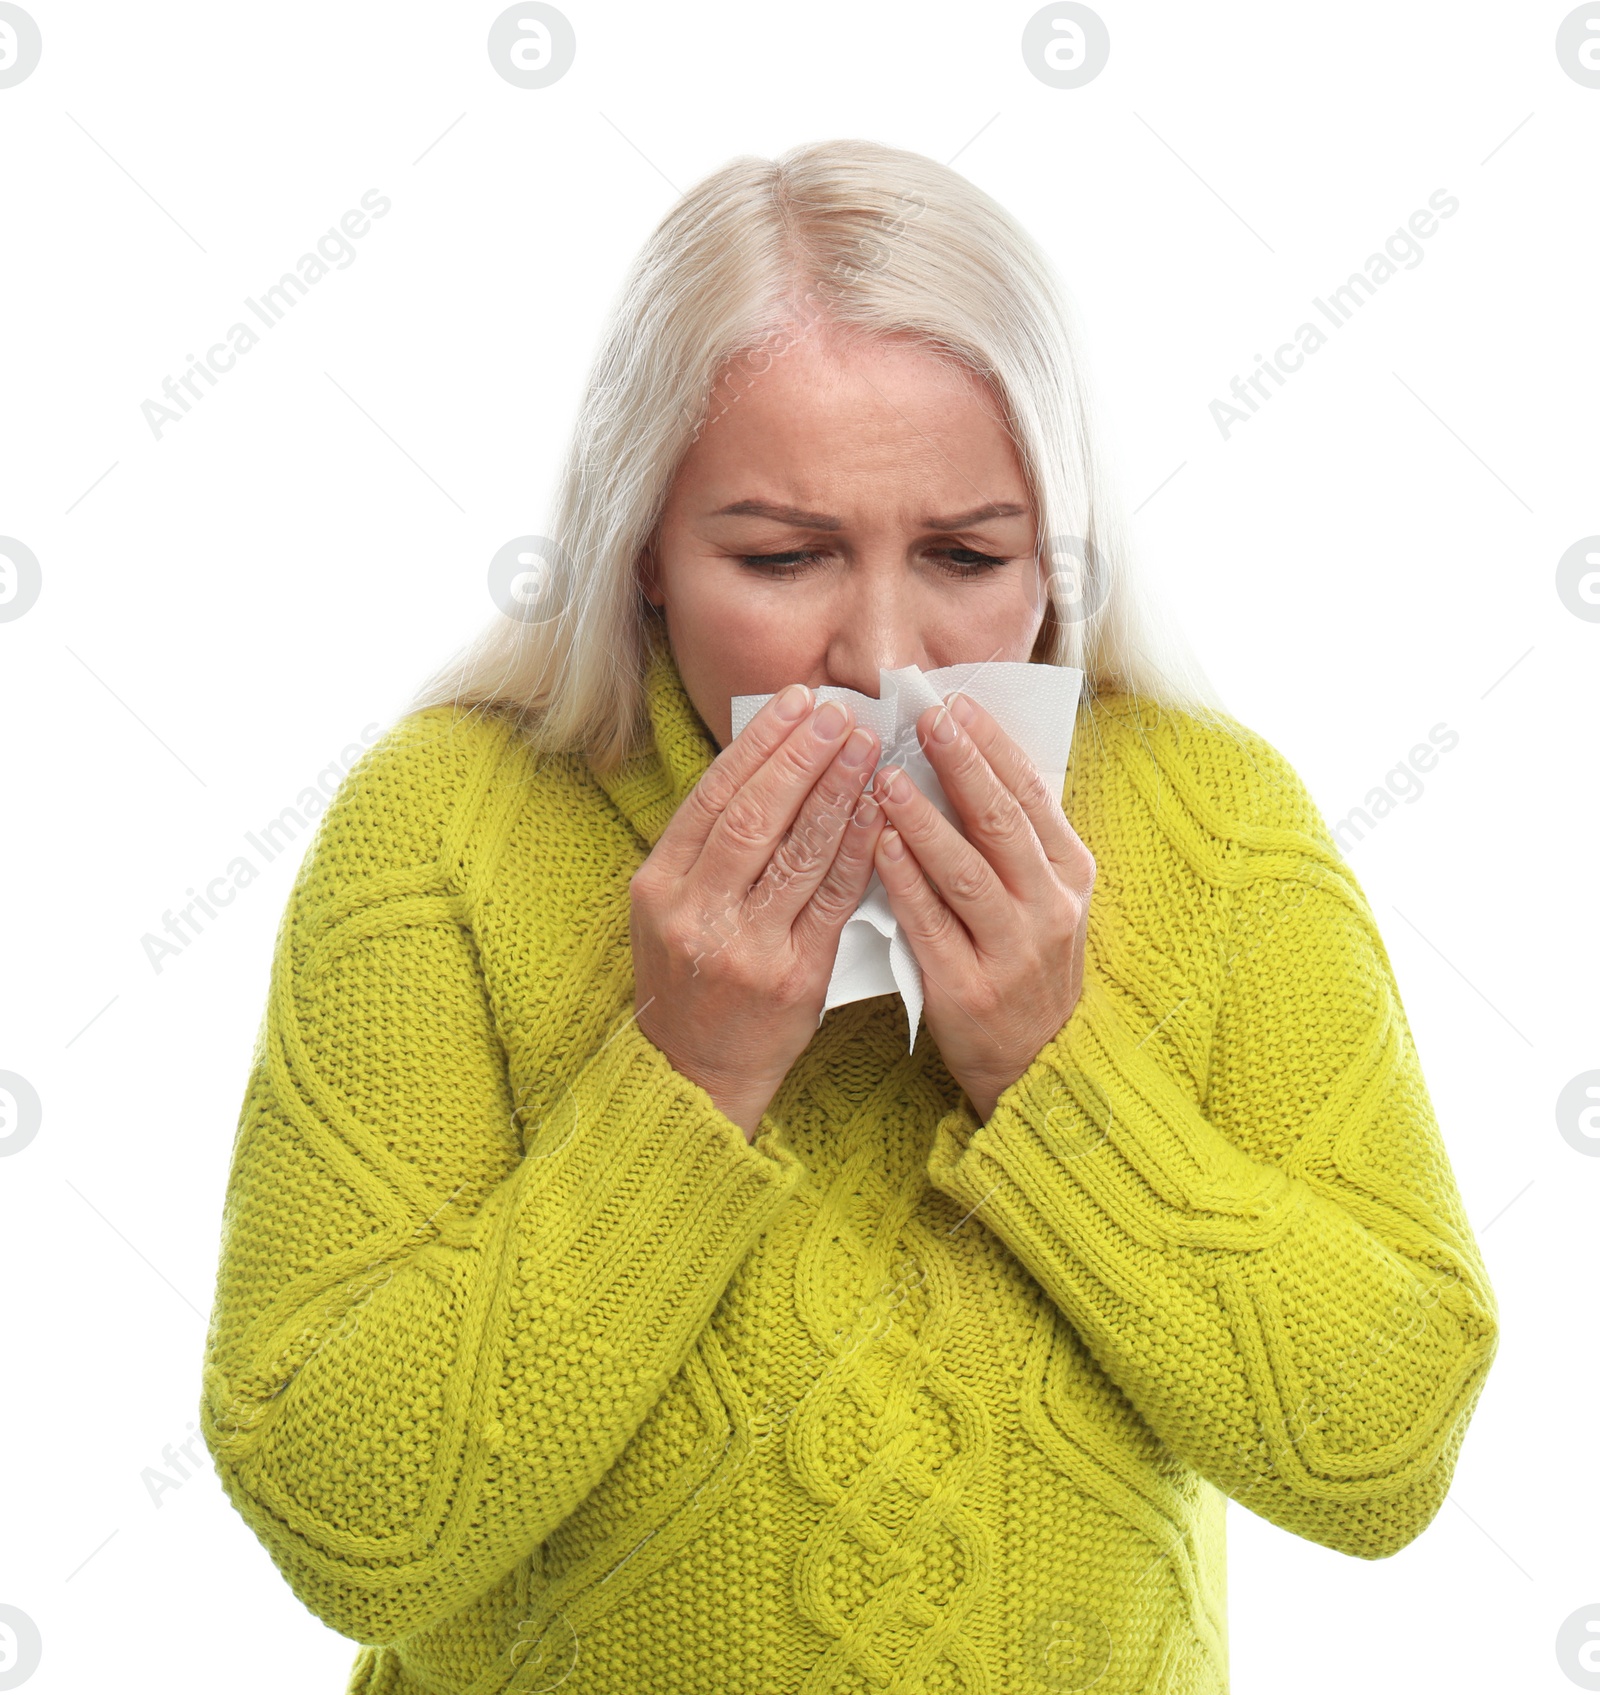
x=852, y=238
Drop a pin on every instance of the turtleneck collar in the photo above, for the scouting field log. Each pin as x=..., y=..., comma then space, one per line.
x=650, y=786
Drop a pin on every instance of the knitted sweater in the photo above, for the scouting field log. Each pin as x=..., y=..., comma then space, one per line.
x=530, y=1372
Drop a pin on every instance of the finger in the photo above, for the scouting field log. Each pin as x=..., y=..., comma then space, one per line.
x=1017, y=776
x=750, y=826
x=992, y=816
x=681, y=842
x=805, y=856
x=964, y=880
x=936, y=935
x=838, y=894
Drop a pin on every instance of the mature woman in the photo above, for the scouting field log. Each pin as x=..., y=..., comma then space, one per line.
x=593, y=1314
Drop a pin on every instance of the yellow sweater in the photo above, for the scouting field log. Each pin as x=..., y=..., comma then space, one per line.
x=531, y=1373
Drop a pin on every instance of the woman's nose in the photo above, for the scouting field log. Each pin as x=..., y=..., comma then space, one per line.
x=875, y=628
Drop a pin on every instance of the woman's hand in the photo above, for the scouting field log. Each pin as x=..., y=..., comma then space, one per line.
x=998, y=922
x=736, y=913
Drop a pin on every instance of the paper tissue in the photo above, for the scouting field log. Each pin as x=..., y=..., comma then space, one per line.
x=1036, y=705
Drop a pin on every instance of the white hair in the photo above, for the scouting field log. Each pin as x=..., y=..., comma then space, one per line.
x=858, y=239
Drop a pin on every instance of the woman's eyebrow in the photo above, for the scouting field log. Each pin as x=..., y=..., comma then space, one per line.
x=802, y=519
x=782, y=514
x=978, y=515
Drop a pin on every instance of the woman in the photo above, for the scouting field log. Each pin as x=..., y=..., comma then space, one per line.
x=592, y=1316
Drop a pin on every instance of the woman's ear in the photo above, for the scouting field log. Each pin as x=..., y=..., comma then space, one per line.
x=647, y=574
x=1045, y=640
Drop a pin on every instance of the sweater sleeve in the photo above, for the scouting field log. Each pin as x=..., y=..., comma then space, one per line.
x=428, y=1344
x=1271, y=1260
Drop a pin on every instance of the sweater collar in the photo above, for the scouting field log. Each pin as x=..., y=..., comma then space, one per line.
x=649, y=787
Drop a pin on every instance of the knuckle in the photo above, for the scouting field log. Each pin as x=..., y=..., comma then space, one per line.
x=791, y=860
x=997, y=820
x=773, y=884
x=798, y=756
x=681, y=937
x=827, y=910
x=821, y=822
x=1033, y=793
x=765, y=892
x=790, y=985
x=806, y=841
x=941, y=927
x=702, y=936
x=744, y=820
x=839, y=788
x=839, y=824
x=740, y=974
x=644, y=887
x=832, y=900
x=968, y=757
x=779, y=869
x=990, y=1010
x=715, y=790
x=967, y=881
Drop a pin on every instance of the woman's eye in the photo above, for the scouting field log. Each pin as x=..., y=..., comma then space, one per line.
x=779, y=564
x=959, y=561
x=965, y=562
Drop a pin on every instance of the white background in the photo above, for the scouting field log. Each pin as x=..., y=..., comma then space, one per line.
x=224, y=609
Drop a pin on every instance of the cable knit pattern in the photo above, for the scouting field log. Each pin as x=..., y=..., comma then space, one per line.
x=531, y=1373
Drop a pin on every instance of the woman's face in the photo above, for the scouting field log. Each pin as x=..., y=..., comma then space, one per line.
x=885, y=481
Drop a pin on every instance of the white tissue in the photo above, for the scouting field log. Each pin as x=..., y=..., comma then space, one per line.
x=1036, y=705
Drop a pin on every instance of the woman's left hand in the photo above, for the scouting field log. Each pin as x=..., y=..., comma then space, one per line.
x=996, y=921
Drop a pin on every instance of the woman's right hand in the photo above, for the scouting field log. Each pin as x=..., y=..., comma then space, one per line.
x=737, y=911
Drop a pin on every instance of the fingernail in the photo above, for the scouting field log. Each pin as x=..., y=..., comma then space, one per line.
x=943, y=729
x=890, y=784
x=829, y=722
x=866, y=813
x=893, y=847
x=960, y=707
x=793, y=703
x=857, y=749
